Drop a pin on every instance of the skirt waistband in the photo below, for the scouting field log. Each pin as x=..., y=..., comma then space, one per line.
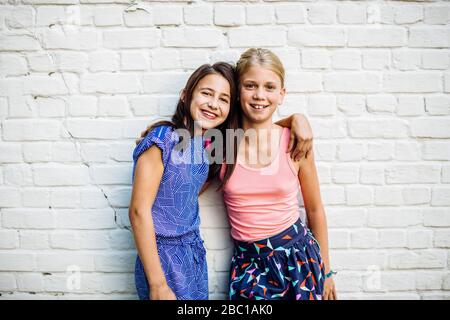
x=297, y=232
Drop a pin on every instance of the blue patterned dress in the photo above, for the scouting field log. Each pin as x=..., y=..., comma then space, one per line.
x=175, y=214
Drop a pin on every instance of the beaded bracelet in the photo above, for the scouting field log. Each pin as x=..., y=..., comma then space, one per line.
x=330, y=274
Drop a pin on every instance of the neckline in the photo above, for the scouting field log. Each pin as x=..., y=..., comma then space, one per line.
x=276, y=158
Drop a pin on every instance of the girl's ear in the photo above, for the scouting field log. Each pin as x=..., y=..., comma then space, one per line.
x=282, y=94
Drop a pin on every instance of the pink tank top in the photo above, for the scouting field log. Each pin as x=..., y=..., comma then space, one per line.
x=262, y=202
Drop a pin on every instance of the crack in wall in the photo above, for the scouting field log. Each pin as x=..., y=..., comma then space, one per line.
x=86, y=163
x=56, y=66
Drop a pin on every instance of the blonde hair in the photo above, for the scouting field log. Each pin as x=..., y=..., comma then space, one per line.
x=260, y=57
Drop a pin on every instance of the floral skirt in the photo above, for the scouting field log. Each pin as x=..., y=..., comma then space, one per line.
x=287, y=266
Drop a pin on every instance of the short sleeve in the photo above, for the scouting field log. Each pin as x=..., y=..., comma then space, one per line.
x=160, y=136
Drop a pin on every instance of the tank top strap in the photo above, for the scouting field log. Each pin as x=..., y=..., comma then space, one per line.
x=284, y=143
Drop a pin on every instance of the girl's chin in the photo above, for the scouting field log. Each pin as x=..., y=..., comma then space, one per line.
x=208, y=124
x=257, y=118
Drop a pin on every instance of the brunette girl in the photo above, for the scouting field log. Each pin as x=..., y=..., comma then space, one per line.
x=164, y=212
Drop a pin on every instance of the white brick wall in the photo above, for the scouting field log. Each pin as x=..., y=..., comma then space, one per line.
x=79, y=80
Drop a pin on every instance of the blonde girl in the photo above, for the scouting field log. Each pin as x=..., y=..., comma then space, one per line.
x=276, y=256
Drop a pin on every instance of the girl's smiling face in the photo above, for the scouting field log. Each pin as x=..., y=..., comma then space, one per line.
x=211, y=101
x=261, y=92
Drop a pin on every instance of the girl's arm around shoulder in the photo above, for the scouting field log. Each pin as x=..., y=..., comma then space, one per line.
x=301, y=139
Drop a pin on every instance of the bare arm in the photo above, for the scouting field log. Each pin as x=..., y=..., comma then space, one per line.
x=315, y=211
x=301, y=135
x=286, y=122
x=148, y=174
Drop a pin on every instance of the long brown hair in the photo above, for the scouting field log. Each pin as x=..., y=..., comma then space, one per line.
x=251, y=57
x=182, y=118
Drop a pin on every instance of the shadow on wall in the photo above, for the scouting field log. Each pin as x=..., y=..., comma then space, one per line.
x=215, y=231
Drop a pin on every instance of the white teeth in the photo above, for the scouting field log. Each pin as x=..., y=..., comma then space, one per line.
x=258, y=106
x=209, y=114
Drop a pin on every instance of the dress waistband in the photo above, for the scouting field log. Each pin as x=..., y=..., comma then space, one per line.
x=192, y=239
x=188, y=238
